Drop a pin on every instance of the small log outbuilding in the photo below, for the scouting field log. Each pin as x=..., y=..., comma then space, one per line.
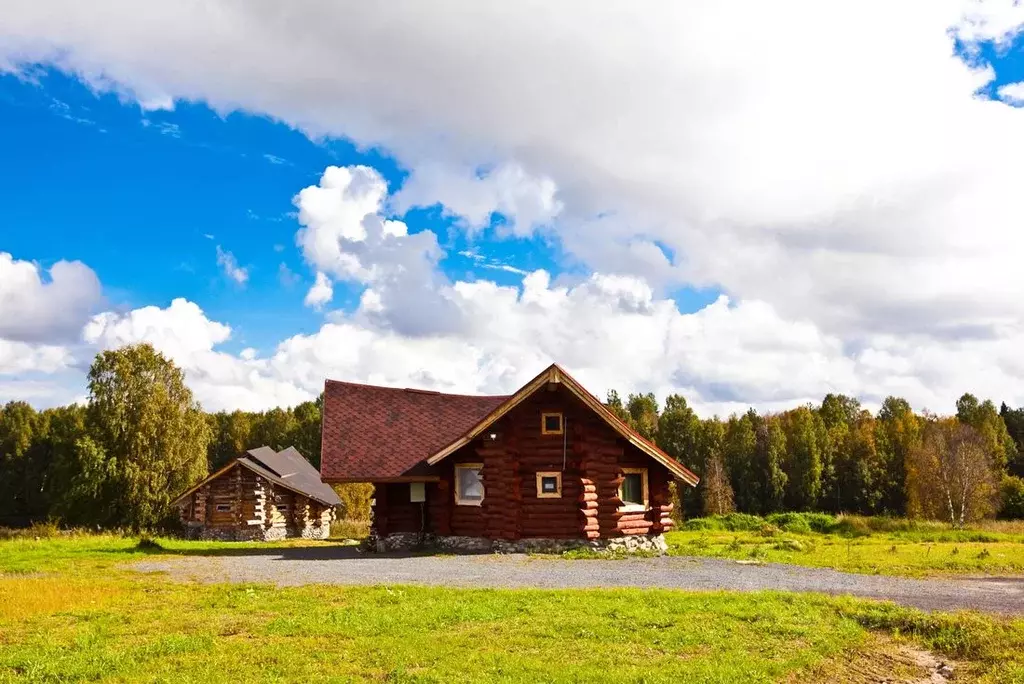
x=262, y=495
x=548, y=467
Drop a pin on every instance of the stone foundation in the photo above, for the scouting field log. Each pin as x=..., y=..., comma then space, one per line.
x=254, y=533
x=403, y=541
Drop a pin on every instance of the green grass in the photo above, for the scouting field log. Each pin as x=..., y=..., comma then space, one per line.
x=853, y=544
x=70, y=611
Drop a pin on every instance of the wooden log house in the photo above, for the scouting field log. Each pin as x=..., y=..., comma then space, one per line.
x=262, y=495
x=549, y=466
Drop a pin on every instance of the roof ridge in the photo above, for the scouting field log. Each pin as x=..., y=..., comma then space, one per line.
x=415, y=390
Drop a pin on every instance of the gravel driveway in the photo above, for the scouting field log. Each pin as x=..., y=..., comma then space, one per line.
x=347, y=565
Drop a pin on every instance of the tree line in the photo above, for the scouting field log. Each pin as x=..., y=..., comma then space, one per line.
x=839, y=457
x=141, y=439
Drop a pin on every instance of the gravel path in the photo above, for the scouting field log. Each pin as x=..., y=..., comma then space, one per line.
x=347, y=565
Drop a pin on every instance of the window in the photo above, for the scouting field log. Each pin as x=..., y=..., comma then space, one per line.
x=549, y=485
x=282, y=509
x=223, y=508
x=633, y=490
x=417, y=492
x=469, y=487
x=551, y=423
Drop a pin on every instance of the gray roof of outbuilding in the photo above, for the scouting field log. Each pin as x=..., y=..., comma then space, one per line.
x=291, y=470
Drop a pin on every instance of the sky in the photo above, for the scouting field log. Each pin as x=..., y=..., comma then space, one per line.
x=750, y=204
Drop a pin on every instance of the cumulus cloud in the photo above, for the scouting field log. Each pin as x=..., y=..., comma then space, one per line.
x=525, y=201
x=34, y=308
x=226, y=260
x=874, y=179
x=346, y=235
x=1012, y=93
x=858, y=206
x=320, y=293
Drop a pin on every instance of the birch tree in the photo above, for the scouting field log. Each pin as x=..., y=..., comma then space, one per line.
x=952, y=475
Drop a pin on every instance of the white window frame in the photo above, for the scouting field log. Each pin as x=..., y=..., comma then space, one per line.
x=629, y=505
x=544, y=423
x=459, y=501
x=557, y=494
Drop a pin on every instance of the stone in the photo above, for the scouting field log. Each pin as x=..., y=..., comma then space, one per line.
x=407, y=541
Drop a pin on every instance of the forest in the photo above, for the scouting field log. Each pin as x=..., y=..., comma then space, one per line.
x=118, y=460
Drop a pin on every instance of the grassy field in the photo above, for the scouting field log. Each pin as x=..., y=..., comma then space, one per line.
x=70, y=611
x=863, y=545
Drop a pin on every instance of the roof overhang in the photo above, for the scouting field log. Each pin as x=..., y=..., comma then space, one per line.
x=554, y=374
x=241, y=462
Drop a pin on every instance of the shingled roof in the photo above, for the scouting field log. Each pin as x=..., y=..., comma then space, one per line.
x=288, y=469
x=375, y=433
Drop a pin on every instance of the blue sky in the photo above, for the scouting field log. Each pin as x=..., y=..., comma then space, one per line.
x=145, y=197
x=750, y=207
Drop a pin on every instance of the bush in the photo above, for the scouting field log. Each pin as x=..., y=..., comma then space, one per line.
x=1013, y=498
x=350, y=529
x=355, y=500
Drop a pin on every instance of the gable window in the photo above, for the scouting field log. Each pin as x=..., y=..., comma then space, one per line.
x=282, y=509
x=549, y=485
x=223, y=508
x=633, y=490
x=469, y=487
x=551, y=423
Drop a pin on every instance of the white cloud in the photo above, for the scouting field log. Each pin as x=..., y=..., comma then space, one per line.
x=1012, y=93
x=344, y=234
x=38, y=309
x=320, y=293
x=528, y=202
x=22, y=357
x=833, y=172
x=232, y=270
x=874, y=179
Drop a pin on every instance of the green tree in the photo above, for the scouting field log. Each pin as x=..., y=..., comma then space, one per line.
x=1014, y=420
x=150, y=430
x=983, y=417
x=19, y=425
x=739, y=445
x=803, y=427
x=770, y=455
x=839, y=413
x=272, y=428
x=231, y=435
x=614, y=403
x=897, y=434
x=643, y=414
x=305, y=435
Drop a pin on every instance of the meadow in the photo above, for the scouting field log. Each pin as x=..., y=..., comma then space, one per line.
x=889, y=546
x=70, y=610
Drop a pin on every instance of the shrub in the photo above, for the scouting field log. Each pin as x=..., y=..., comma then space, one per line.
x=1013, y=497
x=355, y=500
x=350, y=529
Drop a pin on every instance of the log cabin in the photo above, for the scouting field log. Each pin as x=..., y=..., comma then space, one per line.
x=263, y=495
x=549, y=467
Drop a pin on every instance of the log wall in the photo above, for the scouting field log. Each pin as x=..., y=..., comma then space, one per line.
x=590, y=455
x=253, y=511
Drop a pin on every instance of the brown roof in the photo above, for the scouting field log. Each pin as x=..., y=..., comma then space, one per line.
x=379, y=433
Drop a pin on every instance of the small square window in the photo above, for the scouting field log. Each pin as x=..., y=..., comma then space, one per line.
x=469, y=486
x=551, y=423
x=223, y=508
x=633, y=490
x=549, y=485
x=282, y=508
